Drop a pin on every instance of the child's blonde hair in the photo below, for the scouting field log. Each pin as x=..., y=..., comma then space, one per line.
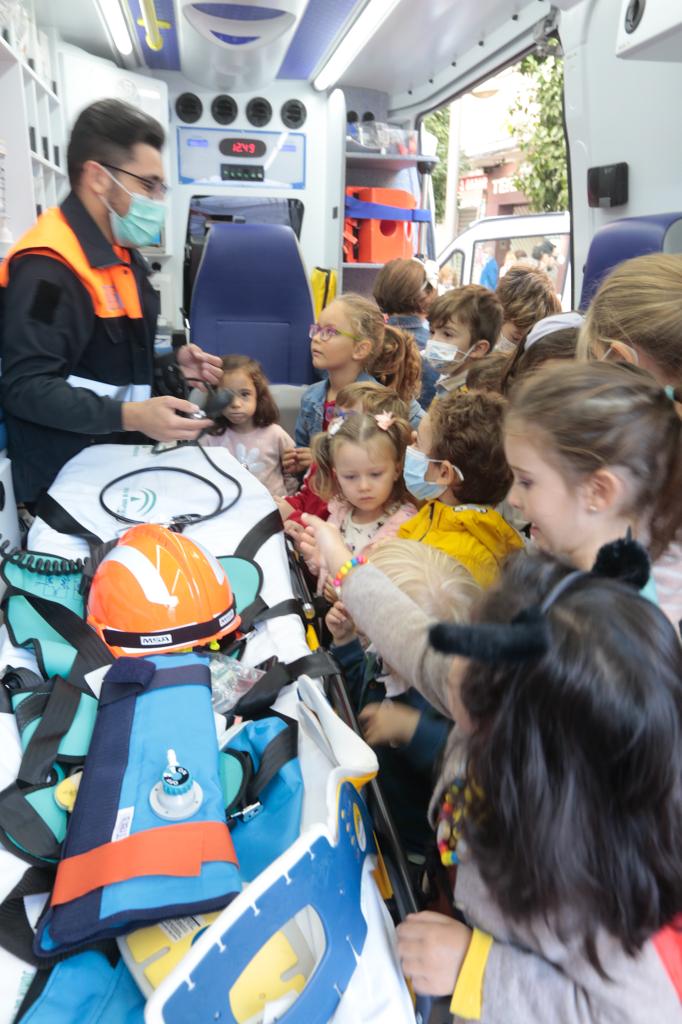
x=527, y=295
x=437, y=583
x=640, y=304
x=372, y=397
x=592, y=415
x=366, y=319
x=398, y=364
x=360, y=429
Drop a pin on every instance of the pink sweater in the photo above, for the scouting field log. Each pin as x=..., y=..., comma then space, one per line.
x=259, y=450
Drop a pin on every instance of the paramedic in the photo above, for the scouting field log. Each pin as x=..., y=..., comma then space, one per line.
x=79, y=313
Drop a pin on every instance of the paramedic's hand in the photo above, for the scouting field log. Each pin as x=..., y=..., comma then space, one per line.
x=198, y=365
x=283, y=506
x=304, y=457
x=432, y=948
x=340, y=624
x=289, y=465
x=388, y=722
x=325, y=539
x=158, y=418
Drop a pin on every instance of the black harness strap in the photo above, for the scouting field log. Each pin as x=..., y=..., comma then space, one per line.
x=259, y=611
x=56, y=516
x=22, y=831
x=91, y=652
x=16, y=934
x=41, y=752
x=278, y=752
x=263, y=530
x=265, y=691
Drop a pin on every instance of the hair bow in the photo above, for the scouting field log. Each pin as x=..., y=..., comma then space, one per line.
x=384, y=420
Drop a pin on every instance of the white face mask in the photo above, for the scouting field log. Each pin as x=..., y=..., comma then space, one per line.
x=505, y=345
x=439, y=354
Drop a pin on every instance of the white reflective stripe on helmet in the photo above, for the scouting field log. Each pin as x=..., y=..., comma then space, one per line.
x=218, y=570
x=121, y=392
x=146, y=574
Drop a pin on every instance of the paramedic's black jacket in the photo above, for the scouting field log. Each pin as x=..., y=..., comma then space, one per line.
x=50, y=333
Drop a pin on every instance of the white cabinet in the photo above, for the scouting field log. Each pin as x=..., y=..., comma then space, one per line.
x=32, y=135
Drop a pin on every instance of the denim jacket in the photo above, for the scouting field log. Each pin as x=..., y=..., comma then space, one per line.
x=311, y=413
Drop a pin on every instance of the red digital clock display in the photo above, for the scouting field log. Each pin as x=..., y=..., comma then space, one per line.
x=242, y=147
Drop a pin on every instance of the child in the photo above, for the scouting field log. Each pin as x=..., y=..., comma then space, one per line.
x=404, y=290
x=349, y=334
x=394, y=717
x=360, y=473
x=564, y=816
x=486, y=374
x=398, y=365
x=249, y=427
x=363, y=396
x=596, y=449
x=559, y=343
x=636, y=316
x=465, y=324
x=527, y=295
x=458, y=467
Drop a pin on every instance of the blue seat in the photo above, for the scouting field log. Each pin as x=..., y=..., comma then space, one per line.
x=251, y=297
x=623, y=240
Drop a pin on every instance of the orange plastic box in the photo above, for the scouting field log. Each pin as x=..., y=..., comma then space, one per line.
x=383, y=240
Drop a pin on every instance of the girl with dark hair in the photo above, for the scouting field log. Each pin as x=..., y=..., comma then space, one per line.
x=564, y=819
x=249, y=427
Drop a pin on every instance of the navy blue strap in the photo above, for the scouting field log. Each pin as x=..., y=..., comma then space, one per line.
x=361, y=210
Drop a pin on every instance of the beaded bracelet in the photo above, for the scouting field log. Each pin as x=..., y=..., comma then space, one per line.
x=352, y=563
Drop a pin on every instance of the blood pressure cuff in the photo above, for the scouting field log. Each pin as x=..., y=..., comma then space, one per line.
x=123, y=862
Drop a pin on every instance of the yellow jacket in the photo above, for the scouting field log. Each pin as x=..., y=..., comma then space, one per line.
x=478, y=537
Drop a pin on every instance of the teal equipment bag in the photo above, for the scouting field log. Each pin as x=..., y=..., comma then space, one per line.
x=87, y=989
x=263, y=787
x=147, y=839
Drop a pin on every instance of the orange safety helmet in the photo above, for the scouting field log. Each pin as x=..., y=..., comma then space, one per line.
x=159, y=591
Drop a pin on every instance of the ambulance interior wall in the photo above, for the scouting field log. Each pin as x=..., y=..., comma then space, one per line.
x=617, y=109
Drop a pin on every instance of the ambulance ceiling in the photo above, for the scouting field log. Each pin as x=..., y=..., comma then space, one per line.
x=235, y=44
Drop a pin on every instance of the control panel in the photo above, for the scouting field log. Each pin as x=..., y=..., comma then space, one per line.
x=254, y=158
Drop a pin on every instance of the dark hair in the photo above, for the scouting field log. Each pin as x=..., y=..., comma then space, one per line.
x=266, y=412
x=486, y=374
x=359, y=429
x=590, y=415
x=559, y=344
x=575, y=760
x=527, y=295
x=467, y=431
x=106, y=131
x=401, y=286
x=398, y=363
x=477, y=307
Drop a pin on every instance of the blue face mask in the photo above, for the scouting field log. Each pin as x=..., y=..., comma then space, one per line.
x=414, y=471
x=142, y=223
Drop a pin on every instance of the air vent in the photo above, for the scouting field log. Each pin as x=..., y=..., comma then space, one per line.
x=189, y=107
x=258, y=112
x=224, y=109
x=293, y=114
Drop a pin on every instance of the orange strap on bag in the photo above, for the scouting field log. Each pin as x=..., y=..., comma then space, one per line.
x=178, y=851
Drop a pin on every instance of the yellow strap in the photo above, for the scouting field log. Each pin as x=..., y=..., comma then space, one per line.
x=467, y=999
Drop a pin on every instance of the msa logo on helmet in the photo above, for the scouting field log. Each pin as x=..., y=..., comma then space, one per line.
x=224, y=619
x=156, y=641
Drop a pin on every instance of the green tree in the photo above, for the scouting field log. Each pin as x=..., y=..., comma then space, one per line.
x=536, y=120
x=438, y=123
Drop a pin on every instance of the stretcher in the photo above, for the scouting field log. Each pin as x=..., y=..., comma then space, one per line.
x=289, y=946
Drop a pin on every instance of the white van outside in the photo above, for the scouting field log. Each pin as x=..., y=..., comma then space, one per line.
x=508, y=240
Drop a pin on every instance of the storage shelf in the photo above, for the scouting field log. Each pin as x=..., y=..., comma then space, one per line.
x=48, y=164
x=388, y=161
x=40, y=83
x=7, y=54
x=362, y=266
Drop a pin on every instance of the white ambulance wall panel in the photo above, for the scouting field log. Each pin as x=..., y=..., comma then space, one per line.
x=618, y=110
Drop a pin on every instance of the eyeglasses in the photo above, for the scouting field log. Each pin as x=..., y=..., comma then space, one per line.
x=616, y=352
x=327, y=333
x=154, y=187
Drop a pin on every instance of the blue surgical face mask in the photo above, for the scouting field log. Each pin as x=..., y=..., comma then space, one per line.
x=143, y=221
x=439, y=354
x=414, y=471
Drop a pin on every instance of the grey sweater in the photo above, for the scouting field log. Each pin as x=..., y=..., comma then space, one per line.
x=532, y=975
